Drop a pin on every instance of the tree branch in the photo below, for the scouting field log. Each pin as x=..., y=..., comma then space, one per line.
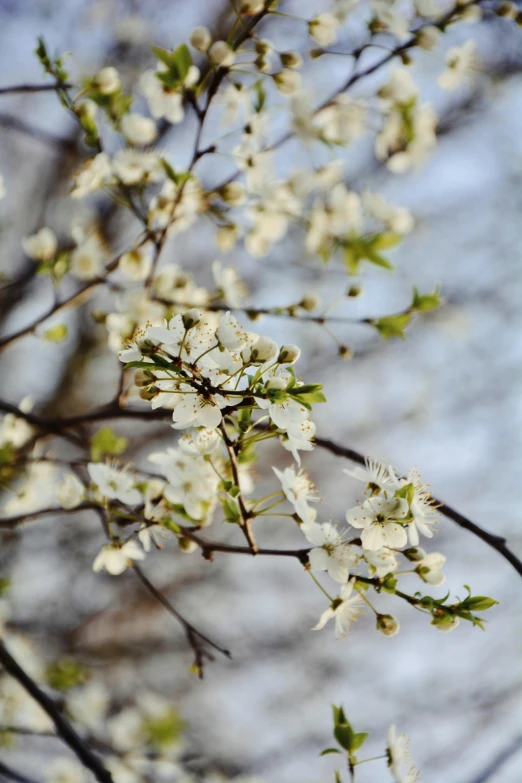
x=194, y=637
x=18, y=88
x=63, y=727
x=11, y=774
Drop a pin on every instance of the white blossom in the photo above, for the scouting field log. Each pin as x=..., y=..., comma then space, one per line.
x=429, y=569
x=115, y=558
x=377, y=517
x=107, y=81
x=460, y=62
x=137, y=263
x=375, y=474
x=94, y=174
x=332, y=553
x=344, y=611
x=71, y=492
x=400, y=761
x=220, y=54
x=41, y=246
x=323, y=29
x=200, y=38
x=164, y=102
x=138, y=130
x=299, y=490
x=64, y=770
x=113, y=483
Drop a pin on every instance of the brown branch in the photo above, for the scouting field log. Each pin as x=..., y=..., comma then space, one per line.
x=246, y=523
x=63, y=727
x=11, y=774
x=195, y=638
x=10, y=523
x=19, y=88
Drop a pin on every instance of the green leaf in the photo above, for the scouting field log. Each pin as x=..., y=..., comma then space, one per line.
x=56, y=334
x=479, y=603
x=392, y=325
x=308, y=394
x=164, y=730
x=182, y=60
x=377, y=259
x=338, y=715
x=407, y=492
x=164, y=55
x=106, y=441
x=231, y=509
x=337, y=776
x=385, y=240
x=423, y=303
x=65, y=674
x=343, y=733
x=358, y=740
x=329, y=750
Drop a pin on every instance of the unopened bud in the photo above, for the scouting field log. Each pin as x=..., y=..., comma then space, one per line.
x=345, y=352
x=316, y=53
x=251, y=6
x=221, y=54
x=387, y=624
x=289, y=354
x=233, y=193
x=264, y=350
x=142, y=378
x=415, y=554
x=107, y=81
x=263, y=47
x=186, y=545
x=263, y=64
x=354, y=290
x=226, y=237
x=276, y=383
x=291, y=59
x=287, y=81
x=201, y=38
x=310, y=301
x=191, y=318
x=427, y=37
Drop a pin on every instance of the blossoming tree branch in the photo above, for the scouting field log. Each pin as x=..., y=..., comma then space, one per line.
x=194, y=361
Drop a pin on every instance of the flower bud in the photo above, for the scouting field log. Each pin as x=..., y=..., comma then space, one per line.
x=415, y=554
x=323, y=29
x=148, y=393
x=142, y=378
x=387, y=624
x=427, y=37
x=354, y=290
x=263, y=64
x=291, y=59
x=191, y=318
x=107, y=81
x=276, y=383
x=287, y=81
x=221, y=54
x=263, y=46
x=226, y=237
x=200, y=38
x=233, y=193
x=310, y=301
x=289, y=354
x=264, y=350
x=251, y=6
x=345, y=352
x=186, y=545
x=138, y=130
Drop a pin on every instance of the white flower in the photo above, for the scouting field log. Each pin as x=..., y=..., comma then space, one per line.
x=299, y=490
x=194, y=410
x=376, y=475
x=230, y=286
x=133, y=166
x=381, y=561
x=87, y=258
x=14, y=429
x=164, y=103
x=191, y=481
x=263, y=351
x=398, y=219
x=231, y=334
x=113, y=483
x=323, y=29
x=377, y=517
x=107, y=81
x=151, y=535
x=64, y=770
x=71, y=492
x=429, y=569
x=115, y=558
x=299, y=437
x=200, y=38
x=345, y=610
x=41, y=246
x=287, y=81
x=332, y=553
x=138, y=130
x=93, y=175
x=460, y=61
x=399, y=758
x=421, y=508
x=220, y=54
x=136, y=264
x=199, y=442
x=88, y=705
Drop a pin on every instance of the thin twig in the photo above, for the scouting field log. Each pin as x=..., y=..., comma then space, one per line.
x=63, y=727
x=194, y=637
x=11, y=774
x=18, y=88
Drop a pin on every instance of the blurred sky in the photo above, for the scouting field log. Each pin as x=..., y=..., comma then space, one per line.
x=447, y=400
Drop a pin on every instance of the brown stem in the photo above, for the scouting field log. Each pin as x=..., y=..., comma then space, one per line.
x=246, y=522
